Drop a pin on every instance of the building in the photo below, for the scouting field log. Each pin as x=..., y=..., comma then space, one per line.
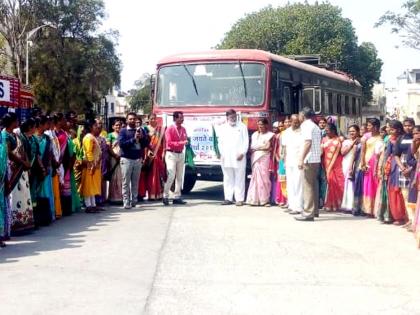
x=376, y=107
x=404, y=100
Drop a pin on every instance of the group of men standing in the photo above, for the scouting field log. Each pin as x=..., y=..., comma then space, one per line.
x=301, y=153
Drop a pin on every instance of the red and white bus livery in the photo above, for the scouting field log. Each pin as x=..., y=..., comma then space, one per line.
x=256, y=84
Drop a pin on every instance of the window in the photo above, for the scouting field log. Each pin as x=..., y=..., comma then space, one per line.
x=330, y=110
x=317, y=102
x=339, y=111
x=353, y=106
x=308, y=98
x=417, y=77
x=286, y=99
x=211, y=84
x=346, y=105
x=112, y=108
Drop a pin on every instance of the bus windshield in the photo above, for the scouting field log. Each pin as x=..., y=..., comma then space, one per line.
x=211, y=84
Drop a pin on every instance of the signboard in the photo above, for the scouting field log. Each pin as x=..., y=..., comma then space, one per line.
x=4, y=90
x=9, y=91
x=200, y=131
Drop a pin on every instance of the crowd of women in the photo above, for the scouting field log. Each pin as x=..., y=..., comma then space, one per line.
x=51, y=166
x=371, y=172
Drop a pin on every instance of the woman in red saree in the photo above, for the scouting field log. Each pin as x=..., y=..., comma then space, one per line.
x=153, y=167
x=332, y=161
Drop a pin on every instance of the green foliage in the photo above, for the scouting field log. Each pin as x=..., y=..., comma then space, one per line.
x=299, y=29
x=407, y=24
x=139, y=97
x=71, y=64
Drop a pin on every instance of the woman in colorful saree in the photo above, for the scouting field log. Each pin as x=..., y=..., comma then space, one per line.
x=371, y=148
x=382, y=211
x=65, y=159
x=260, y=185
x=44, y=212
x=153, y=167
x=78, y=151
x=9, y=122
x=56, y=168
x=101, y=137
x=281, y=188
x=416, y=153
x=91, y=173
x=21, y=162
x=332, y=163
x=350, y=150
x=115, y=183
x=391, y=171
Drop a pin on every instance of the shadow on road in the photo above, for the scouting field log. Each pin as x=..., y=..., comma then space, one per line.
x=64, y=233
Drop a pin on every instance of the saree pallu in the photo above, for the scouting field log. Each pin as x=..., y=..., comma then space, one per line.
x=370, y=186
x=115, y=184
x=382, y=209
x=348, y=203
x=44, y=211
x=260, y=185
x=56, y=194
x=395, y=196
x=335, y=180
x=101, y=198
x=281, y=188
x=21, y=205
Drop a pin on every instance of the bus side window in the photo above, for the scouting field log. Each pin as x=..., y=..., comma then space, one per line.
x=346, y=105
x=286, y=99
x=330, y=110
x=308, y=97
x=339, y=109
x=274, y=89
x=317, y=101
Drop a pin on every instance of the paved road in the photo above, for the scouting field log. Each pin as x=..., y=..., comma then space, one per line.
x=208, y=259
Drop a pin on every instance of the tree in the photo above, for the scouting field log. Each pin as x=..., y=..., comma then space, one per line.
x=139, y=97
x=298, y=29
x=407, y=24
x=16, y=18
x=72, y=64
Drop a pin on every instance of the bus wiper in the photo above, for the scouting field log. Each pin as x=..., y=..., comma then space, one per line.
x=243, y=78
x=192, y=78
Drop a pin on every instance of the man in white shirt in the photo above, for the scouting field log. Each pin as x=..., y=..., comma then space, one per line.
x=309, y=162
x=292, y=141
x=233, y=145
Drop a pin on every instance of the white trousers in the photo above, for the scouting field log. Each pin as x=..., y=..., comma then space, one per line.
x=294, y=180
x=234, y=183
x=175, y=169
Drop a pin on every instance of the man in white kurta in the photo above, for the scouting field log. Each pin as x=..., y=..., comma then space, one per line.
x=292, y=141
x=233, y=145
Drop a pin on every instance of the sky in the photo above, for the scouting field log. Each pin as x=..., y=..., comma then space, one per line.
x=151, y=30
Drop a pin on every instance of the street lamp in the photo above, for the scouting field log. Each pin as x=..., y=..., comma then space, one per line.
x=28, y=36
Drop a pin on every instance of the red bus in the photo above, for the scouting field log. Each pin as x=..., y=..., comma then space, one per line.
x=15, y=97
x=204, y=85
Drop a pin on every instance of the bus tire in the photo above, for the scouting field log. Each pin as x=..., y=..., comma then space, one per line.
x=189, y=180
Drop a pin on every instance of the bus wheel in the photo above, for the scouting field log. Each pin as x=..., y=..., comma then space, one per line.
x=189, y=180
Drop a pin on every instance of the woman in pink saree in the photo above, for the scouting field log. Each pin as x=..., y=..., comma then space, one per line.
x=371, y=149
x=261, y=146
